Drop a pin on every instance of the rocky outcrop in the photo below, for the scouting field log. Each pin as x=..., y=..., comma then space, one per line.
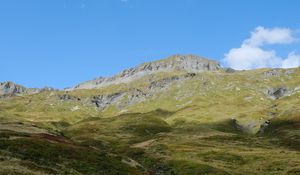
x=10, y=88
x=182, y=63
x=276, y=72
x=134, y=95
x=280, y=92
x=102, y=101
x=272, y=73
x=163, y=82
x=67, y=97
x=276, y=93
x=263, y=127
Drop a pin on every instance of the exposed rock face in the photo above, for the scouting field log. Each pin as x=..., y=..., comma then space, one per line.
x=132, y=96
x=277, y=93
x=272, y=73
x=102, y=101
x=280, y=92
x=67, y=97
x=263, y=127
x=136, y=96
x=10, y=88
x=184, y=63
x=189, y=63
x=276, y=72
x=163, y=83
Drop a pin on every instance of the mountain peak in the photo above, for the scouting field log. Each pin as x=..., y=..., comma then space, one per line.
x=181, y=57
x=186, y=63
x=175, y=63
x=189, y=63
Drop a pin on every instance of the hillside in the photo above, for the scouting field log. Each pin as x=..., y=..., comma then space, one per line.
x=180, y=115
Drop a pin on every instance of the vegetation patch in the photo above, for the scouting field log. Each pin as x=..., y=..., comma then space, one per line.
x=193, y=168
x=222, y=156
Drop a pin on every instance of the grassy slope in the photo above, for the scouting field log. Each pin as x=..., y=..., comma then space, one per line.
x=186, y=128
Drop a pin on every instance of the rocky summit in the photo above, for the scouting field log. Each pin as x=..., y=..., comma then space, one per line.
x=180, y=115
x=176, y=63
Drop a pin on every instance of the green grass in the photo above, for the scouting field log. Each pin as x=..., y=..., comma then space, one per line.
x=205, y=124
x=192, y=168
x=64, y=157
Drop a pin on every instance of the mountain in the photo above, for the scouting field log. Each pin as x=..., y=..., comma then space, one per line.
x=180, y=115
x=10, y=88
x=176, y=63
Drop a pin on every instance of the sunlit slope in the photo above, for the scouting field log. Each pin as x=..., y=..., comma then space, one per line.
x=202, y=97
x=211, y=122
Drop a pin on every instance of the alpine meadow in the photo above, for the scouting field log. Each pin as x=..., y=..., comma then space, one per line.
x=233, y=111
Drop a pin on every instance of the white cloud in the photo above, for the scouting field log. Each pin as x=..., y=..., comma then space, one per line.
x=263, y=36
x=251, y=55
x=247, y=57
x=292, y=60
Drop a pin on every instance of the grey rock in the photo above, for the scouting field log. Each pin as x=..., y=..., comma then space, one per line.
x=67, y=97
x=278, y=72
x=121, y=99
x=183, y=63
x=166, y=82
x=136, y=96
x=163, y=83
x=263, y=127
x=276, y=93
x=188, y=75
x=39, y=90
x=10, y=88
x=229, y=70
x=272, y=73
x=289, y=71
x=102, y=101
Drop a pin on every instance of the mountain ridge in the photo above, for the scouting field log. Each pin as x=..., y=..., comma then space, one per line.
x=183, y=119
x=188, y=63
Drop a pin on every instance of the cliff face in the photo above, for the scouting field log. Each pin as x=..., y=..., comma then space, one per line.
x=176, y=63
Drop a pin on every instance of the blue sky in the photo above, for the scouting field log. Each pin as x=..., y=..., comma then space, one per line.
x=60, y=43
